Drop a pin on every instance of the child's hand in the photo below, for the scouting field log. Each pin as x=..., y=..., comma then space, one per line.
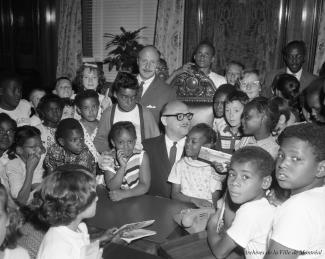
x=106, y=161
x=121, y=158
x=32, y=162
x=106, y=102
x=116, y=195
x=201, y=203
x=218, y=166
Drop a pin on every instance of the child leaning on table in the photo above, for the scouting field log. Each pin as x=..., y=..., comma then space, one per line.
x=249, y=178
x=63, y=201
x=129, y=173
x=298, y=225
x=193, y=180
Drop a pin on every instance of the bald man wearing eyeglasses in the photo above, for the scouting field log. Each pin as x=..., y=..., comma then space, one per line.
x=165, y=150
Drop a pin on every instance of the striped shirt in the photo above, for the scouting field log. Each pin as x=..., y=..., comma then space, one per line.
x=132, y=171
x=227, y=140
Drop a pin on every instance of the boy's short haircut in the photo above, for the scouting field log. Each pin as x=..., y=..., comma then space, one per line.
x=262, y=159
x=225, y=89
x=125, y=80
x=207, y=131
x=315, y=87
x=62, y=78
x=238, y=96
x=295, y=43
x=207, y=43
x=270, y=109
x=4, y=117
x=312, y=133
x=252, y=71
x=64, y=195
x=65, y=126
x=283, y=106
x=118, y=127
x=80, y=97
x=9, y=76
x=234, y=62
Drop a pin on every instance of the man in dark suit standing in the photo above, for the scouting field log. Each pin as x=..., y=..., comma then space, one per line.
x=153, y=93
x=294, y=54
x=165, y=150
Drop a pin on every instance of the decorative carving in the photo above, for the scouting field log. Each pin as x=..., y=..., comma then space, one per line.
x=194, y=86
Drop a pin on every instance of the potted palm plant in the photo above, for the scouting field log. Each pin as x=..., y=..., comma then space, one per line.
x=124, y=56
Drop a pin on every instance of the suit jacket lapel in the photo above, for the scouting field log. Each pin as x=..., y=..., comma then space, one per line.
x=164, y=154
x=151, y=89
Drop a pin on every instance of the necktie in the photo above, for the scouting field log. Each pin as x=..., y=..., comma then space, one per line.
x=140, y=90
x=172, y=153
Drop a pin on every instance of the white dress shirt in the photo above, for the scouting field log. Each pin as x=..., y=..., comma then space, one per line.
x=146, y=83
x=180, y=147
x=296, y=75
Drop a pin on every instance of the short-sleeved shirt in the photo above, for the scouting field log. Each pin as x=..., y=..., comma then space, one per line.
x=89, y=141
x=227, y=140
x=197, y=179
x=251, y=227
x=64, y=243
x=132, y=171
x=57, y=156
x=299, y=223
x=21, y=114
x=16, y=173
x=269, y=144
x=217, y=79
x=47, y=135
x=15, y=253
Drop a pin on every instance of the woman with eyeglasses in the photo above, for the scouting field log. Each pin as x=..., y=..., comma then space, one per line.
x=24, y=168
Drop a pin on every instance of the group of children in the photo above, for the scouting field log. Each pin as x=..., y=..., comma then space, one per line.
x=269, y=156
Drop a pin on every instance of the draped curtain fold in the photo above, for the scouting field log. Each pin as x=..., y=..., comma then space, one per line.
x=242, y=30
x=320, y=48
x=69, y=38
x=169, y=31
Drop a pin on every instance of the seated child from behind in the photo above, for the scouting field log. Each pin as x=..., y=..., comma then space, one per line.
x=63, y=88
x=251, y=83
x=249, y=178
x=25, y=166
x=87, y=105
x=286, y=115
x=258, y=121
x=193, y=180
x=230, y=133
x=10, y=222
x=298, y=226
x=50, y=110
x=130, y=174
x=219, y=99
x=69, y=148
x=34, y=97
x=64, y=200
x=10, y=99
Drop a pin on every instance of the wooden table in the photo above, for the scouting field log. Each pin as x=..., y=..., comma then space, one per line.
x=115, y=214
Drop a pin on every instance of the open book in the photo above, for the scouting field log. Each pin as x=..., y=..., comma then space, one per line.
x=133, y=231
x=209, y=155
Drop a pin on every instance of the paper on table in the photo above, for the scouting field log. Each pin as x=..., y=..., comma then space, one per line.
x=209, y=155
x=136, y=234
x=133, y=226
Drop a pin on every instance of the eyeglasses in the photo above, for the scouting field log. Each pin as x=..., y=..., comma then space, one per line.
x=254, y=84
x=6, y=132
x=180, y=116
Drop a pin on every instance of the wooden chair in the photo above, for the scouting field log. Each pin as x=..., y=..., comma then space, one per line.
x=196, y=90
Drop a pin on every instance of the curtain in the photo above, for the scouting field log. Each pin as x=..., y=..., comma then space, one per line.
x=242, y=30
x=320, y=48
x=69, y=38
x=169, y=32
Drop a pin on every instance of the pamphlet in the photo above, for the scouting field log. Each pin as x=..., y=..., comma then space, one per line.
x=209, y=155
x=133, y=231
